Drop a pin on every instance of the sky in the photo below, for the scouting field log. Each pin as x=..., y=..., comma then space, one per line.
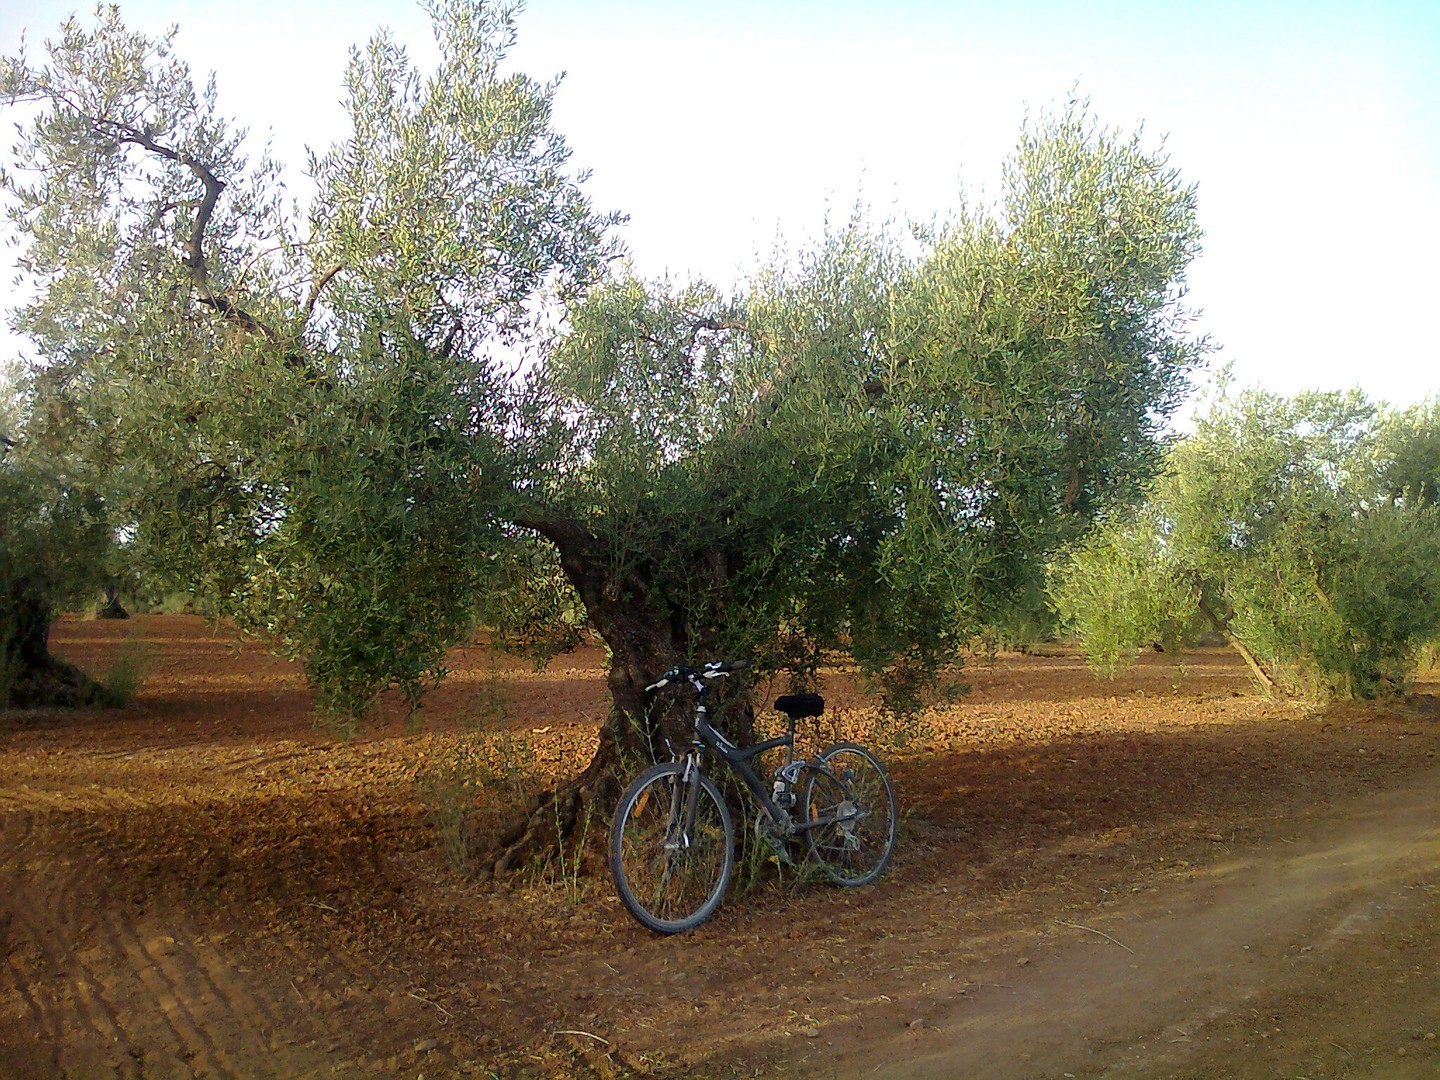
x=1312, y=130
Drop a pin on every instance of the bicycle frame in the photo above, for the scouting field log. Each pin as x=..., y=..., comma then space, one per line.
x=708, y=737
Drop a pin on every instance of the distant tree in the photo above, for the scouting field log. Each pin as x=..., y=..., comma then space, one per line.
x=1407, y=454
x=1302, y=530
x=356, y=435
x=54, y=540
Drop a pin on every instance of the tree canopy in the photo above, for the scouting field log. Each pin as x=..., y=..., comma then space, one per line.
x=436, y=395
x=1303, y=530
x=300, y=412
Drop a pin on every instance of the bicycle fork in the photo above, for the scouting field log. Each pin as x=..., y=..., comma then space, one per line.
x=684, y=797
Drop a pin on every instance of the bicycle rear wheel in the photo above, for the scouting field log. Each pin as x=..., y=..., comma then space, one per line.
x=853, y=797
x=671, y=878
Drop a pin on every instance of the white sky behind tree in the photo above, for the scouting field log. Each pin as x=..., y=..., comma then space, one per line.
x=1312, y=130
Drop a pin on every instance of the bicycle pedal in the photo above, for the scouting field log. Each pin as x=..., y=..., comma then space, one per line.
x=778, y=848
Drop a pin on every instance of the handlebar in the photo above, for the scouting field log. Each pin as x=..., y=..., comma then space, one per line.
x=716, y=669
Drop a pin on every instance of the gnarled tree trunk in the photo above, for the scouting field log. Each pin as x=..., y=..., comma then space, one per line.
x=30, y=677
x=645, y=639
x=1262, y=677
x=113, y=609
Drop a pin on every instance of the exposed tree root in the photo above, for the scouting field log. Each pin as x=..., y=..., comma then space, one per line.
x=579, y=808
x=113, y=610
x=55, y=685
x=576, y=815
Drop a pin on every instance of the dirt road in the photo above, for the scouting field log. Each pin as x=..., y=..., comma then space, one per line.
x=1258, y=966
x=1155, y=877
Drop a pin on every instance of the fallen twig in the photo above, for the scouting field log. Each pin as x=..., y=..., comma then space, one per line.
x=421, y=997
x=1100, y=933
x=587, y=1035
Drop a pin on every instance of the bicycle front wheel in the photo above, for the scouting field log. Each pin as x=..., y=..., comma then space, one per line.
x=849, y=815
x=671, y=872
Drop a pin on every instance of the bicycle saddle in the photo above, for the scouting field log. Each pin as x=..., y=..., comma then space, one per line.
x=798, y=706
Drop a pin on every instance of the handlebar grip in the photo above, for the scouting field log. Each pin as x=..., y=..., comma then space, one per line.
x=712, y=670
x=723, y=667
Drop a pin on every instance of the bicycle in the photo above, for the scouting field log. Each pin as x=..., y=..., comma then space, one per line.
x=672, y=844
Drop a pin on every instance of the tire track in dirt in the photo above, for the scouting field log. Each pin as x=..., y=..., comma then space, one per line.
x=256, y=758
x=127, y=752
x=24, y=1012
x=35, y=958
x=172, y=993
x=90, y=989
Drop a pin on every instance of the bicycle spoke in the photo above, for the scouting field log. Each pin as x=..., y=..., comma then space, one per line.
x=854, y=806
x=671, y=881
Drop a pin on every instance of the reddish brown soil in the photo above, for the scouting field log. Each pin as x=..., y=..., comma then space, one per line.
x=1149, y=877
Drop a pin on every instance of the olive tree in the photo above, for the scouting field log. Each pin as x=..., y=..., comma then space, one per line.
x=54, y=543
x=301, y=412
x=437, y=391
x=1302, y=530
x=1406, y=454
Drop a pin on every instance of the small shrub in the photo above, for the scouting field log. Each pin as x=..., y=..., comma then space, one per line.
x=475, y=785
x=449, y=791
x=126, y=673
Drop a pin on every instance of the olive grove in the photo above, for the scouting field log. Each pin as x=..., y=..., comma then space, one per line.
x=1304, y=531
x=435, y=396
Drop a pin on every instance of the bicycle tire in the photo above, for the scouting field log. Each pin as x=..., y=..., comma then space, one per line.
x=666, y=888
x=854, y=787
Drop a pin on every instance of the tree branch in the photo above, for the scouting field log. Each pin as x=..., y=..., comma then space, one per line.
x=240, y=316
x=450, y=339
x=567, y=534
x=583, y=558
x=1223, y=629
x=704, y=322
x=195, y=243
x=316, y=288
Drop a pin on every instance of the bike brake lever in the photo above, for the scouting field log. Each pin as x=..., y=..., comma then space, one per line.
x=712, y=669
x=664, y=680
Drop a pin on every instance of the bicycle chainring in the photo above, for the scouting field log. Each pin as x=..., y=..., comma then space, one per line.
x=769, y=835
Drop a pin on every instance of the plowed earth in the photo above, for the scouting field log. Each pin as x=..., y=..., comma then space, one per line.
x=1156, y=876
